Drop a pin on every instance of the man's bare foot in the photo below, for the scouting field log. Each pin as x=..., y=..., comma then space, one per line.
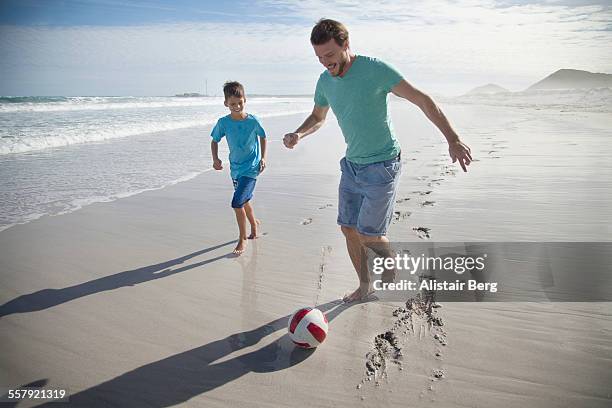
x=361, y=293
x=242, y=243
x=254, y=230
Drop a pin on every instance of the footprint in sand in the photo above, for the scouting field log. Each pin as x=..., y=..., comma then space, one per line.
x=428, y=203
x=422, y=232
x=306, y=221
x=439, y=374
x=417, y=321
x=326, y=206
x=449, y=172
x=435, y=182
x=400, y=215
x=401, y=200
x=325, y=251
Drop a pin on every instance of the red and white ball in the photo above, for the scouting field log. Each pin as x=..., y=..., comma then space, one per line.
x=308, y=327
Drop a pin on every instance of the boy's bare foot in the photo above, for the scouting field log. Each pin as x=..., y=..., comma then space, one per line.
x=254, y=230
x=242, y=243
x=361, y=293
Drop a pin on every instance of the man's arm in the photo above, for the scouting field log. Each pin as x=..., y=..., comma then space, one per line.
x=312, y=123
x=457, y=150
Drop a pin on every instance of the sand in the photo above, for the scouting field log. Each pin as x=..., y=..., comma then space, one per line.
x=137, y=303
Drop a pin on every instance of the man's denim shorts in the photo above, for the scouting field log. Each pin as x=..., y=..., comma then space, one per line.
x=367, y=194
x=243, y=191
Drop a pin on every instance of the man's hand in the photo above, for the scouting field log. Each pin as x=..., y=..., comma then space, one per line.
x=262, y=164
x=217, y=165
x=461, y=152
x=290, y=140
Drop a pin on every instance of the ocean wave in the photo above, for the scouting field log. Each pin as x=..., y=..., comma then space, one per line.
x=80, y=135
x=100, y=104
x=82, y=103
x=32, y=99
x=78, y=203
x=9, y=145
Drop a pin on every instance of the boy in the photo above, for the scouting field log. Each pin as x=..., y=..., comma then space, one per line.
x=244, y=136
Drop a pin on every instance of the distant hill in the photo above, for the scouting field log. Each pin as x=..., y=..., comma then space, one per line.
x=488, y=89
x=573, y=79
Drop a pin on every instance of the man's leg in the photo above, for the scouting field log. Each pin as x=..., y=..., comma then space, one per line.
x=357, y=254
x=377, y=186
x=357, y=245
x=250, y=214
x=382, y=248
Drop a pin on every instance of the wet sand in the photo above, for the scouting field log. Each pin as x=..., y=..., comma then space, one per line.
x=137, y=302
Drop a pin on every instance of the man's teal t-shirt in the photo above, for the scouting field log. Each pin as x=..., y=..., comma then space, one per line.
x=359, y=101
x=245, y=153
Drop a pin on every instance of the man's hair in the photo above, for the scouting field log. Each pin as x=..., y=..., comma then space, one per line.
x=326, y=29
x=233, y=88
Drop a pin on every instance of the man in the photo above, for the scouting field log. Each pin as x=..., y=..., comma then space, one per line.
x=356, y=87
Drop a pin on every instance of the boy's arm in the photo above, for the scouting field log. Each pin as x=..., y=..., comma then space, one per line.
x=214, y=149
x=262, y=163
x=456, y=149
x=312, y=123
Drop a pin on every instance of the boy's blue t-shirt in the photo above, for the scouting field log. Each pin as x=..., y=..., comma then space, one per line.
x=243, y=142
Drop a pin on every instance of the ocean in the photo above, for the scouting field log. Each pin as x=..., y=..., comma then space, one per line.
x=58, y=154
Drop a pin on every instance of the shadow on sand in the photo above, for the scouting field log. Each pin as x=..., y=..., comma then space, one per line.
x=183, y=376
x=46, y=298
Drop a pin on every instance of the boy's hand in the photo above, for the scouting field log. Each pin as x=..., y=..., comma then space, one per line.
x=262, y=165
x=217, y=164
x=291, y=139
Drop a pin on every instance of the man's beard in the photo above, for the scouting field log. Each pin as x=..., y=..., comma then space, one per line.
x=341, y=66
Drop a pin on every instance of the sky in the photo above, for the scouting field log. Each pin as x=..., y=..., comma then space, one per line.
x=156, y=48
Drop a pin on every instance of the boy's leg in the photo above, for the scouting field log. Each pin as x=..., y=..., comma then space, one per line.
x=241, y=219
x=250, y=214
x=243, y=192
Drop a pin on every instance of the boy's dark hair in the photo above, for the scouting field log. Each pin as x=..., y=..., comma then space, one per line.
x=233, y=88
x=326, y=29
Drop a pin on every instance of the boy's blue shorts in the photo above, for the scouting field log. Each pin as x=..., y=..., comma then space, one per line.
x=243, y=191
x=367, y=194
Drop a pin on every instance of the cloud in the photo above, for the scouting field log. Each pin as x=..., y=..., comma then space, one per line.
x=441, y=45
x=473, y=38
x=153, y=55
